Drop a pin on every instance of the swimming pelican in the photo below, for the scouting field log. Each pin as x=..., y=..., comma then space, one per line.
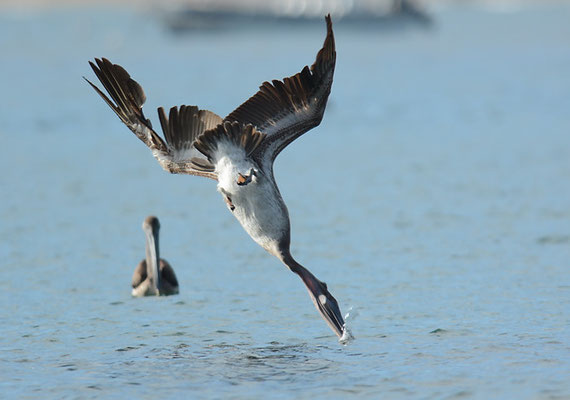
x=239, y=150
x=153, y=276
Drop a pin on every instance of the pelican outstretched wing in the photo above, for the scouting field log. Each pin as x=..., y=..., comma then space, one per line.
x=284, y=110
x=181, y=128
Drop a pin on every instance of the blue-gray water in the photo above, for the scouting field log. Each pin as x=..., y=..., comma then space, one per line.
x=434, y=200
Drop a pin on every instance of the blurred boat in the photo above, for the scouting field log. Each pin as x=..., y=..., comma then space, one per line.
x=217, y=15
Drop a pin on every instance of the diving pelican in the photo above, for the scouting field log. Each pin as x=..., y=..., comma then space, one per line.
x=239, y=150
x=153, y=276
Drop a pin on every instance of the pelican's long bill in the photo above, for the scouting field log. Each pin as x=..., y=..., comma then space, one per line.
x=325, y=303
x=152, y=256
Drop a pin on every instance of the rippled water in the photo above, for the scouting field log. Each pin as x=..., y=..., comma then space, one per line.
x=434, y=200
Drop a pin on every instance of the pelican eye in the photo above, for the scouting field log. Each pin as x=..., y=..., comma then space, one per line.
x=245, y=179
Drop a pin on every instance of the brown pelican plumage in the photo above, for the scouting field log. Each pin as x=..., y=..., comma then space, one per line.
x=239, y=150
x=153, y=276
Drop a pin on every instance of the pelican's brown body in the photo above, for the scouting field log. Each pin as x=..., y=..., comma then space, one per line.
x=153, y=276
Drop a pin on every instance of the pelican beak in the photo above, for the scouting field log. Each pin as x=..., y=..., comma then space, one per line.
x=328, y=308
x=152, y=259
x=325, y=303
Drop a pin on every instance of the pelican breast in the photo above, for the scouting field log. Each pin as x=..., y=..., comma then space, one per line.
x=257, y=204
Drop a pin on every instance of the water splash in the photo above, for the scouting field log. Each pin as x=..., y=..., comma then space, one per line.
x=347, y=335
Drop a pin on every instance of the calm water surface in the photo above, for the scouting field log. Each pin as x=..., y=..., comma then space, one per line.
x=434, y=200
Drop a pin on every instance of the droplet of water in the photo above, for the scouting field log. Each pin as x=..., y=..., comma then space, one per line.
x=351, y=315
